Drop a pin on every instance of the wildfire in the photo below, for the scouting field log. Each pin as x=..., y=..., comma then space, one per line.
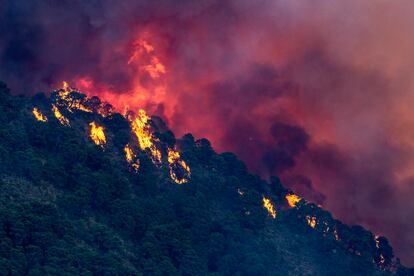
x=155, y=69
x=140, y=46
x=142, y=131
x=336, y=235
x=143, y=50
x=140, y=127
x=66, y=86
x=377, y=245
x=292, y=200
x=79, y=106
x=38, y=115
x=62, y=119
x=97, y=134
x=70, y=101
x=130, y=156
x=269, y=207
x=174, y=160
x=65, y=91
x=146, y=46
x=311, y=221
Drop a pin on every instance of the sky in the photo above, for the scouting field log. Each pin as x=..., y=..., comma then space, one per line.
x=317, y=92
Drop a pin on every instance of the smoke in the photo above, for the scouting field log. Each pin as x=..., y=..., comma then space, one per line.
x=318, y=92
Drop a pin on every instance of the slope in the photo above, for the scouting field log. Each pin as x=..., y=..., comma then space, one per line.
x=87, y=191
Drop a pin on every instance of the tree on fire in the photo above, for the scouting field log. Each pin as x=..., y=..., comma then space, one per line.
x=69, y=207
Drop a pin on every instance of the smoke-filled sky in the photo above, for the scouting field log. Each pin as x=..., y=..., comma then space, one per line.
x=318, y=92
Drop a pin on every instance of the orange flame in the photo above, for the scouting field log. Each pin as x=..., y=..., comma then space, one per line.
x=65, y=91
x=174, y=158
x=311, y=221
x=155, y=69
x=140, y=46
x=269, y=207
x=336, y=235
x=130, y=156
x=38, y=115
x=292, y=200
x=72, y=103
x=147, y=90
x=142, y=49
x=79, y=106
x=382, y=259
x=97, y=134
x=140, y=127
x=146, y=46
x=62, y=119
x=66, y=86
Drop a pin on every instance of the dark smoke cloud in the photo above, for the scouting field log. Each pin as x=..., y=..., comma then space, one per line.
x=319, y=92
x=289, y=142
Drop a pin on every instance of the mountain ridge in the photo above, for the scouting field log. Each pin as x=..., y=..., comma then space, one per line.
x=110, y=205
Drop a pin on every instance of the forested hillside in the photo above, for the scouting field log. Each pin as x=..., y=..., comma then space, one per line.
x=82, y=194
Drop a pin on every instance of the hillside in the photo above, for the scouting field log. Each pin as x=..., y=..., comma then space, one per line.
x=87, y=191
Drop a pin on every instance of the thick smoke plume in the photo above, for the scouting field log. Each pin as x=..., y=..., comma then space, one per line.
x=318, y=92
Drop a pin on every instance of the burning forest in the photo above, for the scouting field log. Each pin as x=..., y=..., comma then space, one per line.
x=145, y=140
x=318, y=95
x=70, y=99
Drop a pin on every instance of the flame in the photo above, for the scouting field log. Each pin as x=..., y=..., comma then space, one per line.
x=38, y=115
x=65, y=91
x=140, y=46
x=62, y=119
x=146, y=86
x=336, y=235
x=311, y=221
x=66, y=86
x=97, y=134
x=155, y=69
x=130, y=156
x=143, y=50
x=382, y=260
x=79, y=106
x=269, y=206
x=174, y=159
x=292, y=200
x=146, y=46
x=377, y=245
x=140, y=127
x=70, y=102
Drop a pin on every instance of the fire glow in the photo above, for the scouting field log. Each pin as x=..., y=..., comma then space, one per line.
x=311, y=220
x=142, y=130
x=269, y=207
x=142, y=49
x=97, y=134
x=174, y=160
x=62, y=119
x=131, y=158
x=72, y=99
x=292, y=200
x=140, y=124
x=38, y=115
x=381, y=257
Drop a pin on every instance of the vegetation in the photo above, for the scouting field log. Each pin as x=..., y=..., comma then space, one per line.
x=70, y=207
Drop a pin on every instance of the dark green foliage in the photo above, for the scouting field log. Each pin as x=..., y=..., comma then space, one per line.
x=69, y=207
